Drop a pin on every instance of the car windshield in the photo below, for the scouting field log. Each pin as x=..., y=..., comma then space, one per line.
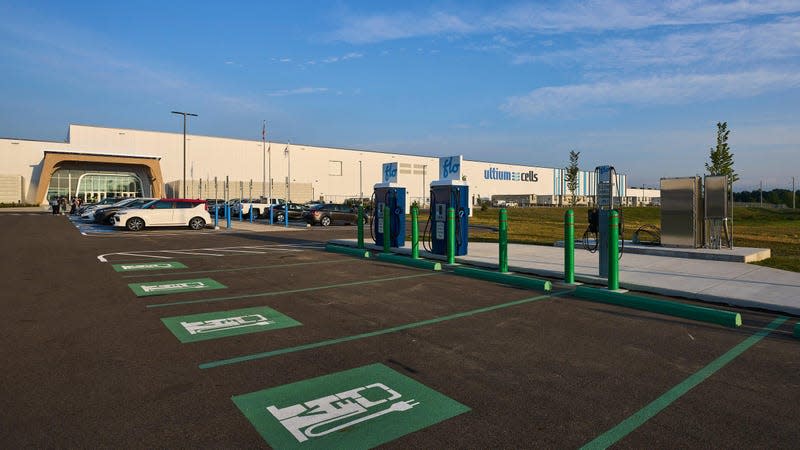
x=147, y=205
x=316, y=206
x=124, y=202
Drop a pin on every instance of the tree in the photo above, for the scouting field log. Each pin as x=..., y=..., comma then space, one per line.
x=721, y=156
x=571, y=176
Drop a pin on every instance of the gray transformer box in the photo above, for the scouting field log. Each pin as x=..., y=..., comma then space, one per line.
x=682, y=212
x=716, y=198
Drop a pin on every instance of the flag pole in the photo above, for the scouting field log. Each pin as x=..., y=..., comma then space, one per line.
x=264, y=158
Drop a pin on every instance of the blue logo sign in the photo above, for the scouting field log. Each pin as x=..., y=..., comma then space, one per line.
x=390, y=172
x=493, y=173
x=450, y=168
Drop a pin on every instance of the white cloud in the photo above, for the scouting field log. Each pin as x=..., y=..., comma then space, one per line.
x=546, y=18
x=730, y=43
x=298, y=91
x=656, y=90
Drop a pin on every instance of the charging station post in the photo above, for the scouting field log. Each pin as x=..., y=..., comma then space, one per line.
x=414, y=232
x=605, y=203
x=449, y=191
x=613, y=251
x=389, y=213
x=569, y=247
x=386, y=229
x=360, y=226
x=503, y=241
x=451, y=235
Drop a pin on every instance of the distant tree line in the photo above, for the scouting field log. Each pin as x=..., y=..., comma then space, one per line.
x=775, y=197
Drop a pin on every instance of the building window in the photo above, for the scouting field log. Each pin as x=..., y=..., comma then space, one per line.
x=93, y=186
x=335, y=168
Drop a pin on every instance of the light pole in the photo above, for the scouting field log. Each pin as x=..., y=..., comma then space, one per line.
x=264, y=159
x=289, y=173
x=360, y=185
x=184, y=114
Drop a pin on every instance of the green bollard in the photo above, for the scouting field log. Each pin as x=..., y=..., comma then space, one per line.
x=415, y=232
x=451, y=235
x=613, y=251
x=569, y=247
x=386, y=228
x=360, y=226
x=503, y=240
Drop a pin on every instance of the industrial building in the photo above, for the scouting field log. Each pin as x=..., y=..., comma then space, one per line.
x=97, y=162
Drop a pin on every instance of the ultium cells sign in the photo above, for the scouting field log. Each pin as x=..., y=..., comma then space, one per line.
x=494, y=173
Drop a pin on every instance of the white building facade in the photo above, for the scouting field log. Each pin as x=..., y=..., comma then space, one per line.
x=96, y=162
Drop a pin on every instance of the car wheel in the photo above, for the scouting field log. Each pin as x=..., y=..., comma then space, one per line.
x=197, y=223
x=110, y=220
x=256, y=213
x=279, y=218
x=134, y=224
x=325, y=221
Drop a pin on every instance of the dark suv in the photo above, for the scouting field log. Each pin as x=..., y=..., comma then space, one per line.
x=333, y=213
x=296, y=212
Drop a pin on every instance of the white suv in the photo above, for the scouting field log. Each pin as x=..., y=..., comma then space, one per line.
x=165, y=212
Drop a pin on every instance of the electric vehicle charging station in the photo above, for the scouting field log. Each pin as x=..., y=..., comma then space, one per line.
x=449, y=191
x=605, y=204
x=389, y=193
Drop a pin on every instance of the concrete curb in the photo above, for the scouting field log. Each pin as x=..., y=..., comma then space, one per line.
x=699, y=313
x=504, y=278
x=361, y=253
x=406, y=261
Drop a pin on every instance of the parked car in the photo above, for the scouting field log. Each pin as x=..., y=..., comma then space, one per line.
x=259, y=206
x=333, y=213
x=296, y=211
x=164, y=213
x=89, y=207
x=106, y=214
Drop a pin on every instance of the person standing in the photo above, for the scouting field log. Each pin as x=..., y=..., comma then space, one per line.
x=62, y=205
x=54, y=204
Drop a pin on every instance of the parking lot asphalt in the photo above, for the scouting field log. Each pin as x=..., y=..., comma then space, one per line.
x=89, y=363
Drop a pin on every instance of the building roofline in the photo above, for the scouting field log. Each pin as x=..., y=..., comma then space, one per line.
x=117, y=155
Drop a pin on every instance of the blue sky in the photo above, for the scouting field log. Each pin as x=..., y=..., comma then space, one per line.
x=638, y=85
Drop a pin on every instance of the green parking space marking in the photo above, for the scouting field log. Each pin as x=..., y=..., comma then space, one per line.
x=282, y=351
x=219, y=324
x=358, y=408
x=638, y=419
x=237, y=269
x=161, y=265
x=174, y=287
x=291, y=291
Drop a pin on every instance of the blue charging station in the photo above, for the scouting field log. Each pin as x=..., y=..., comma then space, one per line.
x=445, y=195
x=392, y=195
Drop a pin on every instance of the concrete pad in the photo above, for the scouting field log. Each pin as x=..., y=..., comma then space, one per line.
x=723, y=282
x=736, y=254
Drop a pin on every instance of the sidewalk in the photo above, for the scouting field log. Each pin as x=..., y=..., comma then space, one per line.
x=732, y=283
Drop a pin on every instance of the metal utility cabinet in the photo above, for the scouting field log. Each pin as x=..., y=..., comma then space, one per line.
x=682, y=212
